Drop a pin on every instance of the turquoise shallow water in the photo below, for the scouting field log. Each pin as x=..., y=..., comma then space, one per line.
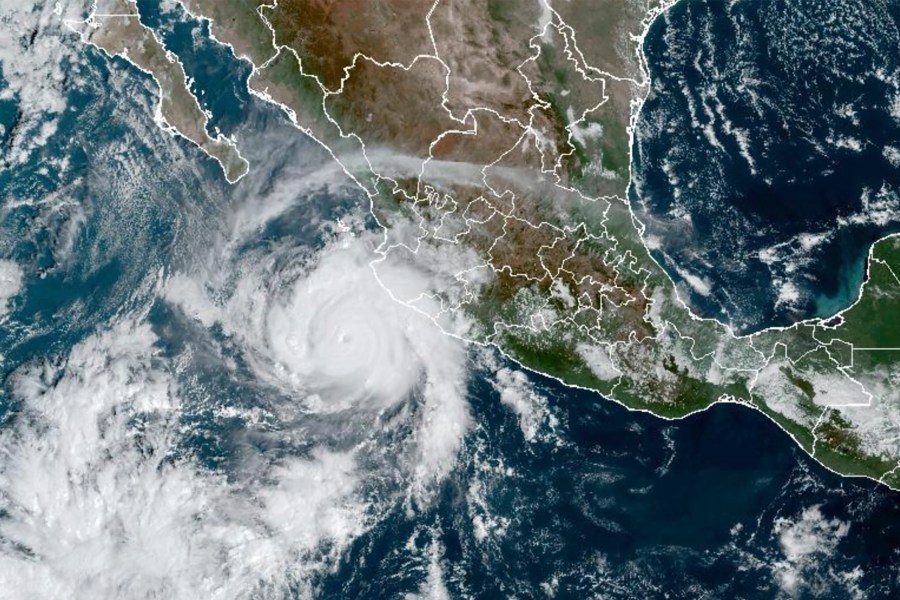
x=763, y=153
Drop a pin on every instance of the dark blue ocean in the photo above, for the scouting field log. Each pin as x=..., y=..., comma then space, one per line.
x=603, y=502
x=765, y=155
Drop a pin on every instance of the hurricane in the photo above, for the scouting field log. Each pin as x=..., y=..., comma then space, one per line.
x=377, y=388
x=337, y=334
x=328, y=336
x=272, y=388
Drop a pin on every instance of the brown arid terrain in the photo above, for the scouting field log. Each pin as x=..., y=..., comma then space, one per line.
x=493, y=138
x=115, y=28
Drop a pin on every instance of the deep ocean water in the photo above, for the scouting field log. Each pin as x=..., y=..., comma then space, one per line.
x=205, y=395
x=767, y=155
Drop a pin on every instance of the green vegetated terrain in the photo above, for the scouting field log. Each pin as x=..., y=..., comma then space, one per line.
x=573, y=290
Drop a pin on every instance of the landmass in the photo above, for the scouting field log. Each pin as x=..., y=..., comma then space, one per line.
x=493, y=138
x=114, y=27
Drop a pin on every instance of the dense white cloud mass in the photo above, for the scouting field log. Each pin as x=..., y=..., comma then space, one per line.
x=806, y=542
x=324, y=330
x=35, y=55
x=100, y=507
x=339, y=334
x=10, y=283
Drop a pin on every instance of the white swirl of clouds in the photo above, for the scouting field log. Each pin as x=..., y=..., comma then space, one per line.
x=98, y=499
x=324, y=331
x=338, y=335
